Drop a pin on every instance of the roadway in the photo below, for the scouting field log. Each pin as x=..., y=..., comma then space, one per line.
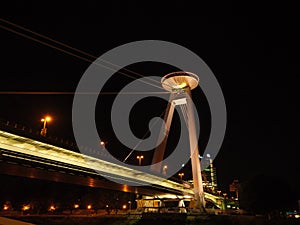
x=35, y=159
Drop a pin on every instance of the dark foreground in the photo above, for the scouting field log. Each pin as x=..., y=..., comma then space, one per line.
x=154, y=219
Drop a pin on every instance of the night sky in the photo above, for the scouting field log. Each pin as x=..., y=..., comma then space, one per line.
x=252, y=49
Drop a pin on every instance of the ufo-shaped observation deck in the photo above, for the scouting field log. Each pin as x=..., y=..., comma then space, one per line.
x=179, y=80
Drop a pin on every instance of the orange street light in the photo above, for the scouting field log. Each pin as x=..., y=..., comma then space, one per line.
x=181, y=175
x=165, y=169
x=44, y=129
x=25, y=207
x=102, y=143
x=140, y=157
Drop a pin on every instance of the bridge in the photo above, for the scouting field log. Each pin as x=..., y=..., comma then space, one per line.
x=47, y=161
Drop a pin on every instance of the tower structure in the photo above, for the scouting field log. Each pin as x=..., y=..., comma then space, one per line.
x=180, y=84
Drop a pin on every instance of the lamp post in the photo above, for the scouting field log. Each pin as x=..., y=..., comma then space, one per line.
x=165, y=170
x=181, y=175
x=129, y=202
x=140, y=157
x=102, y=143
x=44, y=129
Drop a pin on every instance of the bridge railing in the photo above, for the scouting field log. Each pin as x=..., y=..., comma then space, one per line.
x=22, y=130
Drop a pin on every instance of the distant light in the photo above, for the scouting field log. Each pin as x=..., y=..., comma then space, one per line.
x=52, y=208
x=89, y=206
x=47, y=119
x=124, y=206
x=5, y=207
x=26, y=207
x=297, y=216
x=76, y=206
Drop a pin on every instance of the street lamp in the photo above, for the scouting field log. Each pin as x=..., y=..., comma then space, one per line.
x=181, y=175
x=129, y=202
x=44, y=129
x=102, y=143
x=165, y=169
x=140, y=157
x=52, y=208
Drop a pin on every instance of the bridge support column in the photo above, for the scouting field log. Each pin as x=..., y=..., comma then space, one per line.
x=195, y=161
x=180, y=84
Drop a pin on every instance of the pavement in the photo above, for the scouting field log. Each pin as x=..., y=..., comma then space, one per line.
x=6, y=221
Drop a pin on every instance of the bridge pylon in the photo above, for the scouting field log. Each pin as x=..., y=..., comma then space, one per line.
x=180, y=84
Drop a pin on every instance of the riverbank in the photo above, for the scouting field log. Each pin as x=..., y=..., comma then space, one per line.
x=155, y=219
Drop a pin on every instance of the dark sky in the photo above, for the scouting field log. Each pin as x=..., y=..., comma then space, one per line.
x=252, y=49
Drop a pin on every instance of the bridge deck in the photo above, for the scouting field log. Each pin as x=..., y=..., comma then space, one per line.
x=36, y=152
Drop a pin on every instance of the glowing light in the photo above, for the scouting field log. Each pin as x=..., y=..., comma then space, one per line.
x=182, y=85
x=125, y=188
x=26, y=207
x=44, y=129
x=181, y=175
x=47, y=119
x=140, y=157
x=76, y=206
x=52, y=208
x=89, y=206
x=5, y=207
x=124, y=206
